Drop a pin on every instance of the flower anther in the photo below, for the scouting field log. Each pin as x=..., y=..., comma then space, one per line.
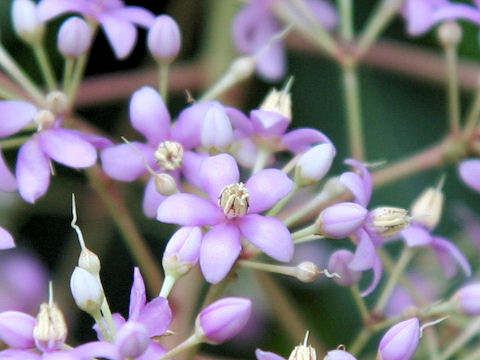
x=169, y=155
x=234, y=199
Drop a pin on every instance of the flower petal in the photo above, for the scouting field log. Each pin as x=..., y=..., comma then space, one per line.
x=138, y=296
x=15, y=354
x=377, y=275
x=49, y=9
x=192, y=162
x=269, y=123
x=355, y=184
x=123, y=162
x=121, y=35
x=16, y=329
x=268, y=234
x=67, y=148
x=152, y=199
x=14, y=115
x=149, y=115
x=217, y=172
x=266, y=188
x=448, y=255
x=187, y=128
x=97, y=349
x=32, y=171
x=469, y=171
x=220, y=248
x=365, y=254
x=266, y=355
x=190, y=210
x=300, y=140
x=416, y=235
x=134, y=14
x=156, y=316
x=6, y=240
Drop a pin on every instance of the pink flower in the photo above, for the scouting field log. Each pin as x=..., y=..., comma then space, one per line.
x=232, y=211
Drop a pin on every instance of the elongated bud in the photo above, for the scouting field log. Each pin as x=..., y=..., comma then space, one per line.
x=86, y=290
x=314, y=164
x=339, y=355
x=25, y=21
x=74, y=38
x=341, y=220
x=50, y=331
x=400, y=342
x=427, y=208
x=165, y=184
x=387, y=221
x=164, y=39
x=467, y=299
x=216, y=132
x=182, y=251
x=223, y=319
x=338, y=263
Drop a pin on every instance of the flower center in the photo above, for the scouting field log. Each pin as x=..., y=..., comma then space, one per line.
x=44, y=119
x=169, y=155
x=234, y=200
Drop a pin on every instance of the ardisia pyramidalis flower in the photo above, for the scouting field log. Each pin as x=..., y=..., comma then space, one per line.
x=223, y=319
x=420, y=14
x=74, y=37
x=117, y=20
x=6, y=240
x=164, y=39
x=232, y=211
x=26, y=22
x=400, y=342
x=314, y=164
x=86, y=290
x=467, y=299
x=255, y=25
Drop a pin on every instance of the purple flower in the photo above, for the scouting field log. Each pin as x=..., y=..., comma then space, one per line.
x=117, y=20
x=467, y=299
x=6, y=240
x=401, y=341
x=420, y=14
x=233, y=211
x=339, y=355
x=255, y=25
x=469, y=171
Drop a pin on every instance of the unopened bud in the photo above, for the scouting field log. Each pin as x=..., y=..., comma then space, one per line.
x=400, y=342
x=216, y=132
x=467, y=299
x=279, y=101
x=44, y=119
x=26, y=22
x=165, y=184
x=427, y=208
x=74, y=38
x=307, y=272
x=314, y=164
x=341, y=220
x=182, y=251
x=50, y=330
x=57, y=102
x=387, y=221
x=303, y=352
x=86, y=290
x=449, y=33
x=164, y=39
x=89, y=261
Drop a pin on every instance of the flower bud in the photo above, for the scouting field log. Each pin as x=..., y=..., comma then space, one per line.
x=182, y=251
x=57, y=102
x=50, y=331
x=164, y=39
x=279, y=102
x=25, y=21
x=89, y=261
x=74, y=38
x=303, y=352
x=339, y=355
x=223, y=319
x=16, y=329
x=427, y=208
x=314, y=164
x=467, y=299
x=400, y=342
x=449, y=33
x=165, y=184
x=44, y=119
x=132, y=340
x=86, y=290
x=387, y=221
x=341, y=220
x=338, y=263
x=216, y=132
x=307, y=271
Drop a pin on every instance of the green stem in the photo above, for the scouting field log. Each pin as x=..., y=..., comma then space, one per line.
x=9, y=94
x=227, y=81
x=279, y=205
x=346, y=19
x=307, y=231
x=44, y=64
x=125, y=224
x=354, y=120
x=462, y=339
x=473, y=116
x=167, y=286
x=360, y=341
x=192, y=341
x=13, y=143
x=68, y=73
x=107, y=315
x=163, y=71
x=277, y=269
x=77, y=75
x=99, y=321
x=360, y=302
x=15, y=72
x=399, y=270
x=453, y=89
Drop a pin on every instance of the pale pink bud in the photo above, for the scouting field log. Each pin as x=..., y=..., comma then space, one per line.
x=164, y=39
x=16, y=329
x=468, y=299
x=400, y=342
x=223, y=319
x=132, y=340
x=338, y=263
x=216, y=132
x=26, y=22
x=86, y=290
x=314, y=164
x=341, y=220
x=182, y=251
x=74, y=37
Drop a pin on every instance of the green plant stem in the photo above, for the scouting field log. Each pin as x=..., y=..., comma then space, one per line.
x=280, y=205
x=15, y=72
x=453, y=89
x=163, y=72
x=398, y=271
x=360, y=302
x=167, y=286
x=473, y=116
x=44, y=64
x=461, y=340
x=307, y=231
x=192, y=341
x=67, y=73
x=431, y=337
x=346, y=19
x=277, y=269
x=360, y=341
x=77, y=75
x=97, y=316
x=376, y=24
x=7, y=94
x=12, y=143
x=125, y=224
x=354, y=119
